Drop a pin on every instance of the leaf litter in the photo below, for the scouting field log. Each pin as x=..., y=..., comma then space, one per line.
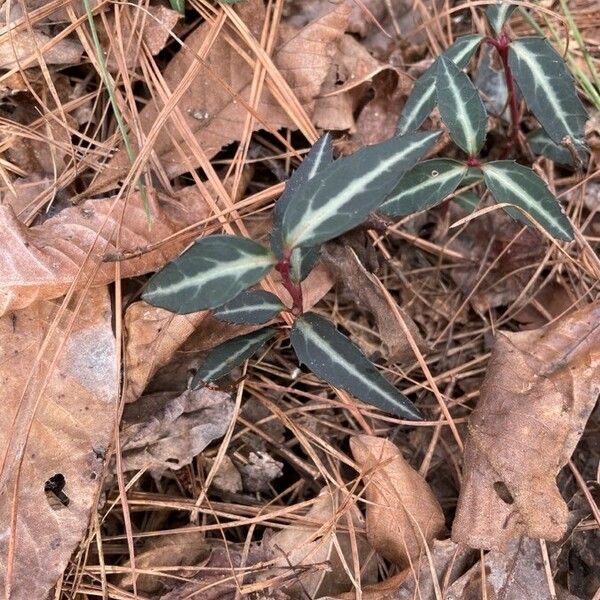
x=272, y=484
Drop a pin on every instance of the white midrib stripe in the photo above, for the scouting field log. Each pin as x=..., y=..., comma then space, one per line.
x=313, y=218
x=431, y=182
x=533, y=65
x=519, y=191
x=340, y=360
x=249, y=308
x=317, y=163
x=463, y=117
x=218, y=271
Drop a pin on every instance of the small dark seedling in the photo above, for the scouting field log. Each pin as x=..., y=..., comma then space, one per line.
x=325, y=198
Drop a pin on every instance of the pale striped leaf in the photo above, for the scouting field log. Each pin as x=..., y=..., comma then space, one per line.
x=497, y=14
x=229, y=355
x=515, y=184
x=335, y=359
x=252, y=307
x=548, y=89
x=349, y=189
x=211, y=272
x=467, y=200
x=461, y=107
x=422, y=98
x=319, y=156
x=542, y=145
x=424, y=186
x=302, y=261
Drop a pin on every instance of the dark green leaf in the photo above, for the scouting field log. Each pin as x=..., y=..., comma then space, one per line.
x=497, y=14
x=229, y=355
x=178, y=5
x=335, y=359
x=515, y=184
x=349, y=189
x=213, y=271
x=319, y=156
x=252, y=307
x=541, y=144
x=302, y=261
x=548, y=89
x=422, y=98
x=468, y=200
x=474, y=175
x=424, y=186
x=461, y=107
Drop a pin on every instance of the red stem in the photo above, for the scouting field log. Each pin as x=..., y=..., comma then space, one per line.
x=293, y=289
x=501, y=44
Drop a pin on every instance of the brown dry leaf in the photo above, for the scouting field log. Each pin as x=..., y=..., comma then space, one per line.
x=71, y=428
x=45, y=259
x=260, y=471
x=402, y=513
x=166, y=431
x=155, y=23
x=213, y=115
x=539, y=390
x=21, y=49
x=311, y=553
x=227, y=477
x=517, y=574
x=356, y=281
x=184, y=548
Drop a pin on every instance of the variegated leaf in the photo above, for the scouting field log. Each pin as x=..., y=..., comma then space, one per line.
x=467, y=200
x=542, y=145
x=497, y=14
x=349, y=189
x=211, y=272
x=229, y=355
x=461, y=107
x=422, y=98
x=252, y=307
x=548, y=89
x=515, y=184
x=335, y=359
x=424, y=186
x=302, y=261
x=319, y=156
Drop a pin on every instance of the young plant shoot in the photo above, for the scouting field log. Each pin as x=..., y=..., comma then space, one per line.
x=325, y=198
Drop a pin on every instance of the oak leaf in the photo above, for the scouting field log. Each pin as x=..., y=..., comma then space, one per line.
x=539, y=390
x=403, y=515
x=45, y=260
x=58, y=421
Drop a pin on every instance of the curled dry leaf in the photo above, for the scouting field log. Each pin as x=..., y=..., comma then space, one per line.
x=72, y=408
x=539, y=390
x=403, y=515
x=181, y=549
x=216, y=115
x=317, y=556
x=46, y=259
x=160, y=431
x=356, y=281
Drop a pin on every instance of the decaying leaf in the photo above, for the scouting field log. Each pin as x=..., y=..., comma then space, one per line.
x=160, y=431
x=515, y=574
x=357, y=283
x=317, y=556
x=22, y=49
x=46, y=259
x=158, y=553
x=539, y=391
x=403, y=515
x=261, y=469
x=60, y=417
x=217, y=115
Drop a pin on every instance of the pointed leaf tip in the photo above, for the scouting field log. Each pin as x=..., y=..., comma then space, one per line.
x=231, y=354
x=515, y=184
x=335, y=359
x=211, y=272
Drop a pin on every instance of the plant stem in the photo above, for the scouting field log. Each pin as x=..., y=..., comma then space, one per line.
x=293, y=289
x=501, y=44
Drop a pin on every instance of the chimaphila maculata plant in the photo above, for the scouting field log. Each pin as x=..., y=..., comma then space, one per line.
x=325, y=198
